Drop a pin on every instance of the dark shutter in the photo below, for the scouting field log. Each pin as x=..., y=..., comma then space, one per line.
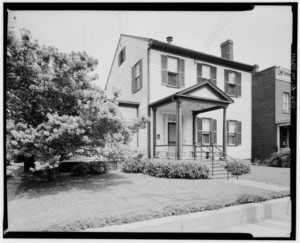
x=238, y=140
x=199, y=72
x=238, y=87
x=199, y=130
x=213, y=75
x=213, y=123
x=133, y=85
x=164, y=71
x=165, y=139
x=141, y=73
x=181, y=73
x=227, y=131
x=226, y=80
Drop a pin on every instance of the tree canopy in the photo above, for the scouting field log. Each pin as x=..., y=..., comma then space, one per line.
x=53, y=109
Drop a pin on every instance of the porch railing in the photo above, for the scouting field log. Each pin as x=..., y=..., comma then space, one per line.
x=190, y=151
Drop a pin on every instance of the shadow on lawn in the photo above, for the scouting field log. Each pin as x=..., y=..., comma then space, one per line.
x=36, y=187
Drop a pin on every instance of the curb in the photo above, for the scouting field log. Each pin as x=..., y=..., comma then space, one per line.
x=208, y=221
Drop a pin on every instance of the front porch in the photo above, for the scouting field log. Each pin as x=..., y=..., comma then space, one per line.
x=178, y=133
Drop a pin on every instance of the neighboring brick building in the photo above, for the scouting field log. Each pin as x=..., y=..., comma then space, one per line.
x=270, y=112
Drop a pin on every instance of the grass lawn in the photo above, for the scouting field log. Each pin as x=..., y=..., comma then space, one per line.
x=74, y=203
x=272, y=175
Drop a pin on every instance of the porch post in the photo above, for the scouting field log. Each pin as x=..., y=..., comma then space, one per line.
x=224, y=133
x=194, y=133
x=154, y=131
x=178, y=130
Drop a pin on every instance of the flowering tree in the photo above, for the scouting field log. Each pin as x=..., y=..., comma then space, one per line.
x=53, y=110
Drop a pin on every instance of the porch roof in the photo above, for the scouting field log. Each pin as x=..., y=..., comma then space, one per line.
x=187, y=94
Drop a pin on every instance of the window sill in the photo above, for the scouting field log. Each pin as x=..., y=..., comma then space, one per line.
x=171, y=86
x=136, y=90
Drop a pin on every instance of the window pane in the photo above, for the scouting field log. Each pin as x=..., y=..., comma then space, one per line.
x=286, y=102
x=172, y=79
x=205, y=125
x=205, y=138
x=173, y=65
x=231, y=77
x=231, y=89
x=137, y=69
x=137, y=83
x=205, y=72
x=232, y=126
x=231, y=140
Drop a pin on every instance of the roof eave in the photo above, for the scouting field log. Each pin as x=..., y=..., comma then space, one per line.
x=157, y=45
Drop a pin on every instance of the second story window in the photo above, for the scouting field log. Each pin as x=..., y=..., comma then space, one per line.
x=122, y=56
x=172, y=71
x=286, y=102
x=233, y=85
x=206, y=72
x=137, y=76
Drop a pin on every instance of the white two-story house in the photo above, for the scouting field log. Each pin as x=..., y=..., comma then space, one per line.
x=196, y=102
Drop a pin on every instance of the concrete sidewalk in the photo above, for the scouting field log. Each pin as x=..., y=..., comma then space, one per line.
x=266, y=219
x=261, y=185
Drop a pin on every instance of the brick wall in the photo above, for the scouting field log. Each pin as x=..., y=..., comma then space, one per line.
x=263, y=114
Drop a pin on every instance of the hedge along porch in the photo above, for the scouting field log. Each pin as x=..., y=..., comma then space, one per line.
x=175, y=131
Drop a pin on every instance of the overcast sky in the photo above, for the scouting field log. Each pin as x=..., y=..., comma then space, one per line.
x=262, y=36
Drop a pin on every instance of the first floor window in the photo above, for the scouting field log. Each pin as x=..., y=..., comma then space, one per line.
x=234, y=133
x=206, y=131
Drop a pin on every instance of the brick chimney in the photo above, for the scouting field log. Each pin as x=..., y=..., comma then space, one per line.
x=227, y=49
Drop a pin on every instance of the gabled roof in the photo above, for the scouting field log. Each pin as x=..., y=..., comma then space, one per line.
x=181, y=51
x=186, y=94
x=178, y=50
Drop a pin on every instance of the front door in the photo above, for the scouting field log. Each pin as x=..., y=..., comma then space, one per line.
x=284, y=137
x=171, y=139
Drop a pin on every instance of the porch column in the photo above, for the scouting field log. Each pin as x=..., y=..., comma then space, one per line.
x=154, y=131
x=194, y=133
x=224, y=133
x=178, y=130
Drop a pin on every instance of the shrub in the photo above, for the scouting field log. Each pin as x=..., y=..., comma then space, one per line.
x=237, y=167
x=183, y=169
x=279, y=160
x=251, y=198
x=91, y=168
x=81, y=169
x=134, y=163
x=98, y=168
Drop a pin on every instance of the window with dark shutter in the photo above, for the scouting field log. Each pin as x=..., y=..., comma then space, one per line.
x=137, y=76
x=172, y=70
x=234, y=133
x=232, y=82
x=206, y=72
x=206, y=131
x=122, y=56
